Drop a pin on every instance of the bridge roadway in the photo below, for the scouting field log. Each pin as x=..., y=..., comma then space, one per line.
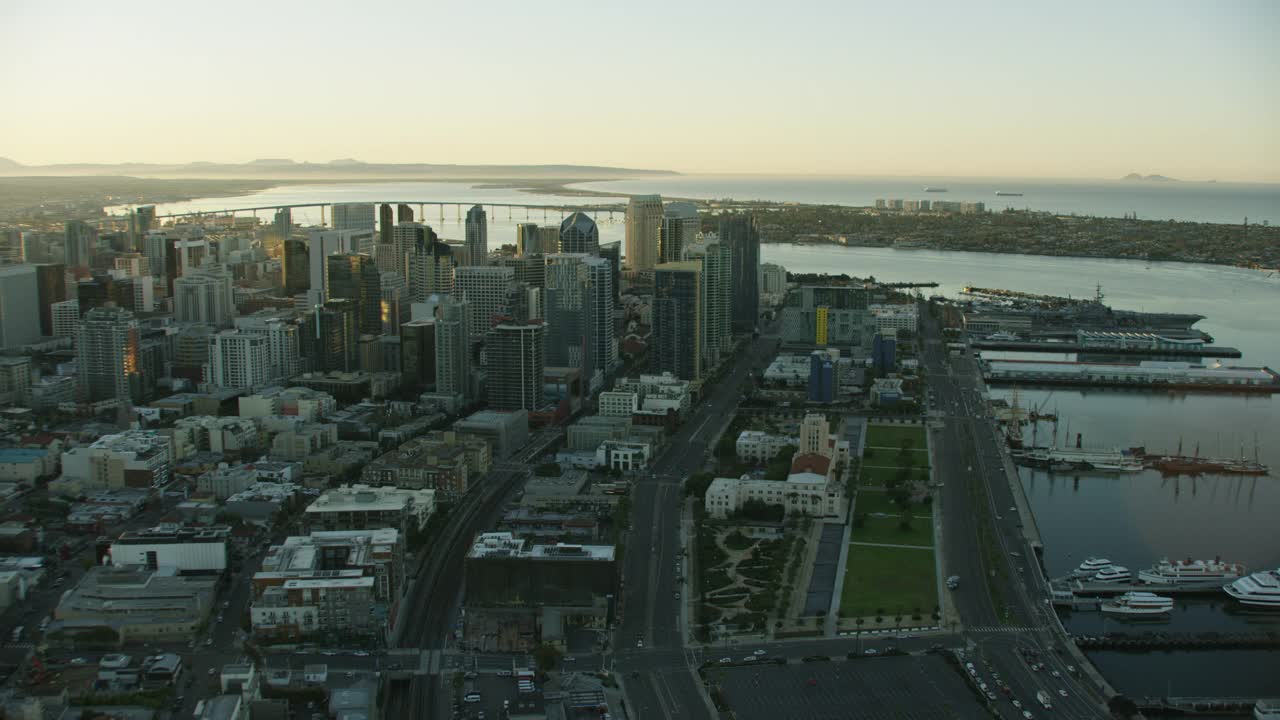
x=435, y=593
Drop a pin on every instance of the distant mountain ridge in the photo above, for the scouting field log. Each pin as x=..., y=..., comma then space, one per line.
x=344, y=167
x=1152, y=178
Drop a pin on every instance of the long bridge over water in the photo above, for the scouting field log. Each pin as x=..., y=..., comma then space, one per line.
x=598, y=211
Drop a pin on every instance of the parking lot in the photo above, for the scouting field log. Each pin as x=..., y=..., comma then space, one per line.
x=915, y=687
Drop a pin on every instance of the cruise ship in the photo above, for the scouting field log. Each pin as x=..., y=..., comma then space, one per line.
x=1259, y=590
x=1189, y=571
x=1138, y=603
x=1091, y=566
x=1113, y=573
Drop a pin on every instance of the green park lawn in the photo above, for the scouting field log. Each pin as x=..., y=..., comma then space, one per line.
x=880, y=476
x=877, y=501
x=890, y=579
x=886, y=530
x=891, y=436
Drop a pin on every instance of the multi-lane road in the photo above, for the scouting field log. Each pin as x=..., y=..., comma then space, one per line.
x=1002, y=599
x=649, y=641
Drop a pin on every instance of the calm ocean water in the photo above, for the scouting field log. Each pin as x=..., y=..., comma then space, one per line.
x=1133, y=519
x=1193, y=201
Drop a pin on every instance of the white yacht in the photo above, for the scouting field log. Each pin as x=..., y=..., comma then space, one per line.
x=1190, y=571
x=1091, y=566
x=1138, y=603
x=1113, y=573
x=1260, y=590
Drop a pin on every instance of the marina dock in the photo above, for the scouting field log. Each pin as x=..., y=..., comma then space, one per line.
x=1207, y=351
x=1146, y=375
x=1089, y=588
x=1177, y=641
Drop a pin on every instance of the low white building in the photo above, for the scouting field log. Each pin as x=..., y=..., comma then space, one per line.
x=757, y=446
x=618, y=403
x=658, y=387
x=623, y=455
x=895, y=317
x=811, y=489
x=791, y=370
x=357, y=507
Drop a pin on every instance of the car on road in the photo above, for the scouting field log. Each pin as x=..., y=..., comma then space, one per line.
x=869, y=651
x=1017, y=703
x=749, y=658
x=640, y=643
x=213, y=671
x=471, y=675
x=1055, y=673
x=79, y=661
x=208, y=642
x=677, y=594
x=570, y=658
x=1026, y=715
x=758, y=652
x=725, y=660
x=1062, y=693
x=361, y=653
x=472, y=697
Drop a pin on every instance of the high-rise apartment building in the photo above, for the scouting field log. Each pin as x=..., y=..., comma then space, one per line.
x=431, y=266
x=386, y=221
x=324, y=243
x=19, y=322
x=356, y=278
x=107, y=364
x=773, y=283
x=680, y=228
x=354, y=216
x=80, y=243
x=51, y=287
x=141, y=221
x=644, y=231
x=406, y=238
x=332, y=336
x=453, y=348
x=579, y=234
x=418, y=354
x=743, y=238
x=404, y=213
x=204, y=296
x=282, y=224
x=612, y=252
x=239, y=360
x=717, y=293
x=283, y=341
x=297, y=267
x=66, y=318
x=579, y=313
x=12, y=246
x=515, y=366
x=488, y=292
x=477, y=237
x=677, y=320
x=395, y=302
x=528, y=240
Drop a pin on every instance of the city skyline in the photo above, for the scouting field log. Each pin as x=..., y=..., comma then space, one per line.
x=986, y=90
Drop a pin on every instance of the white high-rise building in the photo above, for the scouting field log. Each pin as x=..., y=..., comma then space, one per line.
x=204, y=296
x=239, y=360
x=477, y=240
x=354, y=216
x=487, y=291
x=773, y=284
x=283, y=343
x=66, y=317
x=815, y=436
x=644, y=231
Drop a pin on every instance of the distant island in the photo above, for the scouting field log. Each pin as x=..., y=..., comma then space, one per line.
x=345, y=168
x=1152, y=178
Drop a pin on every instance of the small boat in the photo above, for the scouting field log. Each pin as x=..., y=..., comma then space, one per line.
x=1260, y=590
x=1091, y=566
x=1113, y=573
x=930, y=188
x=1138, y=603
x=1004, y=193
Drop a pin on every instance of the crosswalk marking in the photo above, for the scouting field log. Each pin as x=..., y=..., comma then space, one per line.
x=1003, y=628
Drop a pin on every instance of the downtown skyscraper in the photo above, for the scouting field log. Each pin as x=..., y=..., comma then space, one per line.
x=742, y=236
x=107, y=362
x=515, y=365
x=579, y=234
x=579, y=314
x=477, y=237
x=355, y=278
x=644, y=231
x=680, y=228
x=676, y=345
x=717, y=294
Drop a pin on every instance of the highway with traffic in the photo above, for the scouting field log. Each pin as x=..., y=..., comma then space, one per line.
x=1003, y=600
